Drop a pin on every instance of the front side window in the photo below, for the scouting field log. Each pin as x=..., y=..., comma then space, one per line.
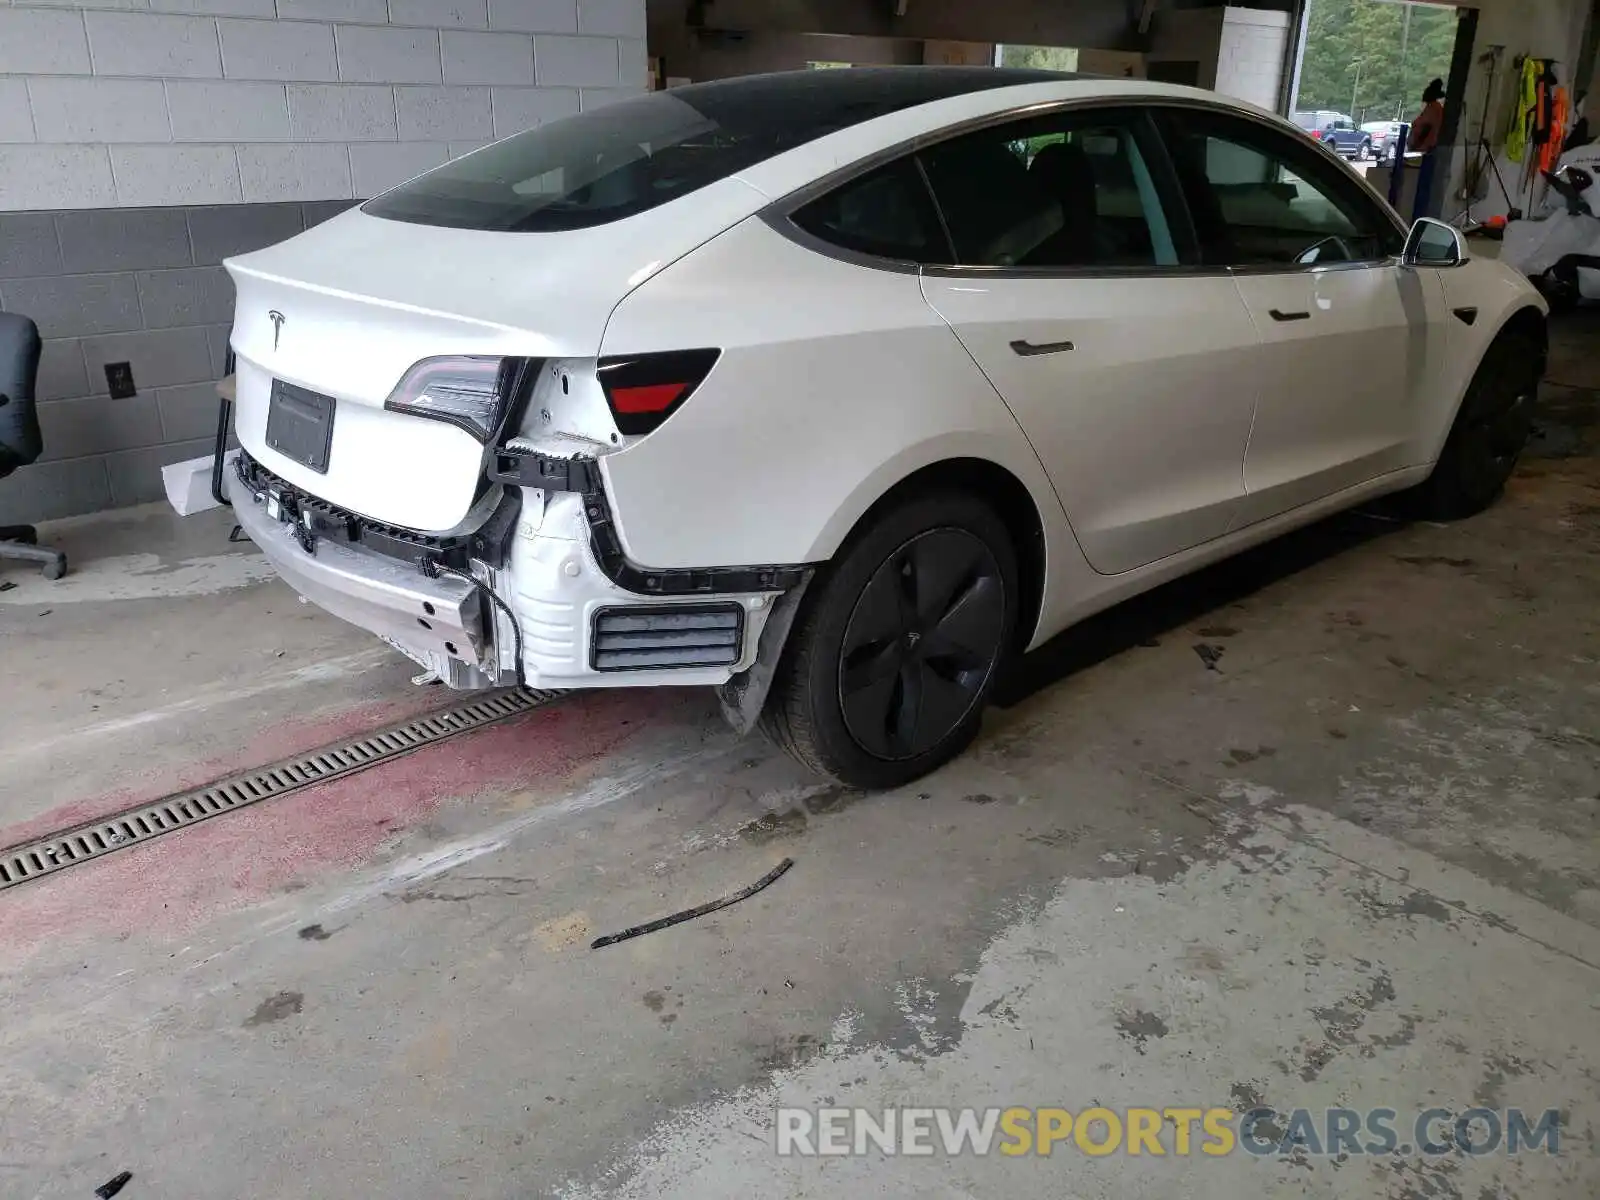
x=1068, y=190
x=1261, y=198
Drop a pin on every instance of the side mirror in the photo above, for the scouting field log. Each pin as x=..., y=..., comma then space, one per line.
x=1434, y=244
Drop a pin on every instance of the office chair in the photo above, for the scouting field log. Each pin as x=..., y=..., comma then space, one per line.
x=20, y=440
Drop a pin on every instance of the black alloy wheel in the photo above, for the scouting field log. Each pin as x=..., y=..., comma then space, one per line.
x=1492, y=427
x=1496, y=429
x=898, y=642
x=924, y=638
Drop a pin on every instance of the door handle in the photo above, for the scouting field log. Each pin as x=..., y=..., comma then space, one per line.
x=1279, y=315
x=1028, y=349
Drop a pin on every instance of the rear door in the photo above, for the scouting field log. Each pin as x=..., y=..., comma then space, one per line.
x=1073, y=290
x=1349, y=337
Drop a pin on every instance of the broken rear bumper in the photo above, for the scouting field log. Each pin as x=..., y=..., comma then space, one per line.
x=546, y=558
x=438, y=622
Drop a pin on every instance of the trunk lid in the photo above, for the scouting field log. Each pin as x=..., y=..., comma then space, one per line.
x=347, y=307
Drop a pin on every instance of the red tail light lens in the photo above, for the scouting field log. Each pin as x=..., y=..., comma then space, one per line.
x=643, y=390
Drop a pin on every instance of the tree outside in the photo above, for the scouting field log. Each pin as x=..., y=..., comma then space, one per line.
x=1371, y=59
x=1041, y=58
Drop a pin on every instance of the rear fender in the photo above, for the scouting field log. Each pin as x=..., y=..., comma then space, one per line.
x=835, y=382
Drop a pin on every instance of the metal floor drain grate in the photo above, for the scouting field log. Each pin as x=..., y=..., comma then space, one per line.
x=133, y=826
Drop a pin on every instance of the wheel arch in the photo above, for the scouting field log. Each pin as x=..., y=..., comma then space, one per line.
x=1528, y=321
x=1012, y=501
x=1524, y=316
x=1023, y=513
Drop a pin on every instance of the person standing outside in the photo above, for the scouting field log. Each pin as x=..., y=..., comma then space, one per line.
x=1424, y=139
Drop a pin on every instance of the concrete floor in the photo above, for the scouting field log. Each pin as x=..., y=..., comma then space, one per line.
x=1358, y=864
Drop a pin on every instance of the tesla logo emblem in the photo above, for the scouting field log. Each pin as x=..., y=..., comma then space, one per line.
x=277, y=319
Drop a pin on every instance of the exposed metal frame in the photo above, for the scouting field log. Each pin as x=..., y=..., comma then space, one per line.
x=530, y=468
x=484, y=534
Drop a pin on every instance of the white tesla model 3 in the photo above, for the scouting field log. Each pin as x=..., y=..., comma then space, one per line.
x=837, y=389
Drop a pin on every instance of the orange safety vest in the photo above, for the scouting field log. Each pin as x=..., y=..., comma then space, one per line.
x=1551, y=152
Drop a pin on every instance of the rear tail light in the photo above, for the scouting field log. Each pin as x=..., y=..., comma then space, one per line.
x=468, y=392
x=643, y=390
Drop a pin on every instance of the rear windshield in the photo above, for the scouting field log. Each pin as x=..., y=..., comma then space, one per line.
x=616, y=161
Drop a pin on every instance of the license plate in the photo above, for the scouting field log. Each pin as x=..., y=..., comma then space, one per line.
x=300, y=425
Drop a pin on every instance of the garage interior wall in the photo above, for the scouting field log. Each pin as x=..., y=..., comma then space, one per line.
x=1542, y=28
x=1252, y=55
x=139, y=146
x=713, y=39
x=1239, y=49
x=1099, y=23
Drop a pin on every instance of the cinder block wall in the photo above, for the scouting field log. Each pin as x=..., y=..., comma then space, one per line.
x=1240, y=52
x=1251, y=55
x=143, y=141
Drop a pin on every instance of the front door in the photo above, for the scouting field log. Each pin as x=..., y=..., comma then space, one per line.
x=1071, y=293
x=1349, y=338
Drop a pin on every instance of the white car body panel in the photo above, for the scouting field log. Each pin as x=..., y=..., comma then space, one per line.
x=1184, y=425
x=366, y=298
x=1178, y=396
x=1498, y=293
x=853, y=383
x=1327, y=418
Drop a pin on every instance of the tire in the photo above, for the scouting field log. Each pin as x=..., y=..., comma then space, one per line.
x=1490, y=430
x=56, y=569
x=897, y=647
x=1364, y=152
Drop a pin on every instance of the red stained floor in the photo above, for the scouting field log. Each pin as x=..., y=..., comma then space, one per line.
x=283, y=740
x=171, y=884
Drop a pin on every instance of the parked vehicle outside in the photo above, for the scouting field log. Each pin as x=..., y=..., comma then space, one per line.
x=838, y=390
x=1337, y=132
x=1384, y=135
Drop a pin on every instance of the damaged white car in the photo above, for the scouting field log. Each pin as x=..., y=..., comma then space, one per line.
x=838, y=389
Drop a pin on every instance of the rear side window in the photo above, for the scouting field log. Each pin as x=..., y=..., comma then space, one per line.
x=626, y=158
x=886, y=214
x=1069, y=190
